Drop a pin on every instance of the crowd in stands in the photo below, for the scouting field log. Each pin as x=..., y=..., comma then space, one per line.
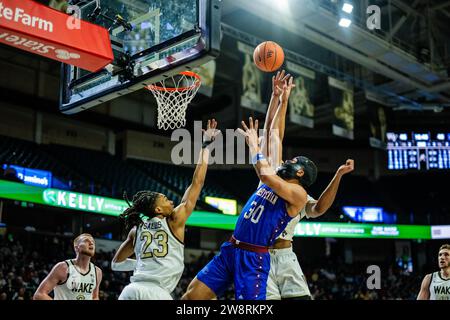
x=26, y=260
x=339, y=281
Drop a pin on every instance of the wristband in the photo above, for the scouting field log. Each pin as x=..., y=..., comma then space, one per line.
x=206, y=143
x=258, y=157
x=126, y=265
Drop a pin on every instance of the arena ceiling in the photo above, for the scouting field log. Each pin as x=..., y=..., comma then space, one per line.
x=409, y=59
x=408, y=56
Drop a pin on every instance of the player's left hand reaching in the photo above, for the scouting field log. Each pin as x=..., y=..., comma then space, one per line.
x=278, y=82
x=287, y=88
x=250, y=133
x=211, y=132
x=346, y=168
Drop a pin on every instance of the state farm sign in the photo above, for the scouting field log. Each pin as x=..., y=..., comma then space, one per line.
x=33, y=27
x=19, y=15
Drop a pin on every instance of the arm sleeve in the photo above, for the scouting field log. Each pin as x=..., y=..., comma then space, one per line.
x=127, y=265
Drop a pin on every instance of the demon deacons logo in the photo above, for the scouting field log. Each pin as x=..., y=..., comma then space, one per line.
x=81, y=297
x=251, y=81
x=345, y=112
x=299, y=100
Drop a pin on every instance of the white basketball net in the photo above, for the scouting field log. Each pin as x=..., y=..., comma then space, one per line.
x=173, y=95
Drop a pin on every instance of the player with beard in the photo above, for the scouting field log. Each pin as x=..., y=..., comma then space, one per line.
x=73, y=279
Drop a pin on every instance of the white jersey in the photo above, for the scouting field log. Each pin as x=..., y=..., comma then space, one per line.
x=159, y=254
x=288, y=232
x=439, y=287
x=78, y=286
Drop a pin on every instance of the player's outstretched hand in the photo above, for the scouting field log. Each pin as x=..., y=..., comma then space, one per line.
x=278, y=82
x=250, y=133
x=287, y=88
x=347, y=167
x=211, y=131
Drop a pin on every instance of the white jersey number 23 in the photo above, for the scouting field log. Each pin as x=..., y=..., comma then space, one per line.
x=161, y=237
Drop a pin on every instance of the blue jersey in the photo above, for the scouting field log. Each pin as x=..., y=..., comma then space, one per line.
x=263, y=218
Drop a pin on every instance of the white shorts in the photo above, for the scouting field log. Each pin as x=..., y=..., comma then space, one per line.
x=144, y=291
x=286, y=278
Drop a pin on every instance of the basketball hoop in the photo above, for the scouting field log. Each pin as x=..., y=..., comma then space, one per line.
x=173, y=95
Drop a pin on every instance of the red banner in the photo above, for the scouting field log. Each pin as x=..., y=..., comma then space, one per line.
x=38, y=29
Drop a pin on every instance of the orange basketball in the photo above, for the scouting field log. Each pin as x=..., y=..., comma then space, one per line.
x=268, y=56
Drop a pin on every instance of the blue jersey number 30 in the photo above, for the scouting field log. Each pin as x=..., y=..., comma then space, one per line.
x=254, y=213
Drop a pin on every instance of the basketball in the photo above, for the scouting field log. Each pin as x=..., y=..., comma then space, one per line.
x=268, y=56
x=160, y=128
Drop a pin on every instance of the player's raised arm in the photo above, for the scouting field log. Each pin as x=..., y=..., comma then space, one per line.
x=270, y=143
x=56, y=276
x=278, y=82
x=292, y=193
x=190, y=197
x=317, y=208
x=278, y=124
x=121, y=260
x=424, y=293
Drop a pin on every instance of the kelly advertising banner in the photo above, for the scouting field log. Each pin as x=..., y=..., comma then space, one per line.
x=252, y=81
x=301, y=108
x=207, y=73
x=341, y=99
x=38, y=29
x=114, y=207
x=62, y=198
x=100, y=205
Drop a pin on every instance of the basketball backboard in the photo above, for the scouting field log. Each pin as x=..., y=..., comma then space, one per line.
x=151, y=40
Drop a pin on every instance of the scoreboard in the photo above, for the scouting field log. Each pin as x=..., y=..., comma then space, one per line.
x=418, y=151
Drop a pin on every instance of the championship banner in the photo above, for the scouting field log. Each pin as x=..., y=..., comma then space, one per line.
x=341, y=99
x=301, y=109
x=252, y=81
x=377, y=123
x=33, y=27
x=207, y=73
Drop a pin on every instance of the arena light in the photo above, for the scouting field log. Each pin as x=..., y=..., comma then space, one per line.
x=283, y=5
x=347, y=7
x=227, y=206
x=344, y=22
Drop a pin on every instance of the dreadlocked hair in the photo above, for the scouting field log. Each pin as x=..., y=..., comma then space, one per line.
x=143, y=203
